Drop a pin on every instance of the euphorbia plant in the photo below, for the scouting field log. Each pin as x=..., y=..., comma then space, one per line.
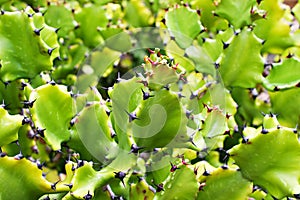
x=149, y=100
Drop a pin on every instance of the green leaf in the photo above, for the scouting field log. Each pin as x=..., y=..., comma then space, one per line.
x=10, y=125
x=208, y=19
x=181, y=178
x=287, y=105
x=21, y=179
x=24, y=54
x=90, y=18
x=138, y=14
x=160, y=121
x=242, y=64
x=221, y=184
x=203, y=61
x=140, y=190
x=270, y=161
x=237, y=12
x=86, y=180
x=283, y=74
x=60, y=17
x=93, y=130
x=215, y=124
x=275, y=29
x=184, y=25
x=53, y=111
x=126, y=96
x=161, y=75
x=103, y=59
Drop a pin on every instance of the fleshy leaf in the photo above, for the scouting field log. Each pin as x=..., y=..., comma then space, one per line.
x=141, y=190
x=215, y=124
x=273, y=157
x=53, y=111
x=184, y=25
x=287, y=105
x=203, y=61
x=275, y=29
x=90, y=18
x=284, y=75
x=242, y=64
x=160, y=120
x=237, y=12
x=10, y=125
x=86, y=180
x=21, y=179
x=93, y=130
x=125, y=97
x=221, y=184
x=24, y=53
x=181, y=178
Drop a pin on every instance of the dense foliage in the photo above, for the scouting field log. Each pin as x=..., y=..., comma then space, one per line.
x=193, y=99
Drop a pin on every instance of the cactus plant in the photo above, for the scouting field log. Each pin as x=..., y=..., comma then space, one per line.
x=97, y=106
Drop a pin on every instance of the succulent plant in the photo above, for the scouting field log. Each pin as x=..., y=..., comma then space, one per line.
x=149, y=100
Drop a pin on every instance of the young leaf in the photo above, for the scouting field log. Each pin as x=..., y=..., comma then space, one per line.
x=184, y=24
x=272, y=157
x=53, y=111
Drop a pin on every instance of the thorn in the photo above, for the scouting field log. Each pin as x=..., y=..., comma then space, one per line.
x=193, y=95
x=88, y=196
x=3, y=154
x=50, y=51
x=173, y=168
x=225, y=45
x=298, y=84
x=276, y=88
x=202, y=186
x=295, y=129
x=163, y=21
x=53, y=186
x=29, y=15
x=69, y=185
x=2, y=12
x=297, y=196
x=259, y=1
x=56, y=30
x=35, y=149
x=135, y=148
x=159, y=187
x=228, y=115
x=217, y=65
x=196, y=170
x=264, y=131
x=120, y=175
x=19, y=156
x=188, y=113
x=132, y=116
x=52, y=82
x=73, y=120
x=46, y=198
x=28, y=104
x=80, y=163
x=39, y=165
x=224, y=167
x=167, y=87
x=205, y=173
x=40, y=132
x=199, y=12
x=289, y=55
x=26, y=120
x=180, y=95
x=146, y=95
x=38, y=31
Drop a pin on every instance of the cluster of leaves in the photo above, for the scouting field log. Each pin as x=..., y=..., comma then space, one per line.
x=149, y=99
